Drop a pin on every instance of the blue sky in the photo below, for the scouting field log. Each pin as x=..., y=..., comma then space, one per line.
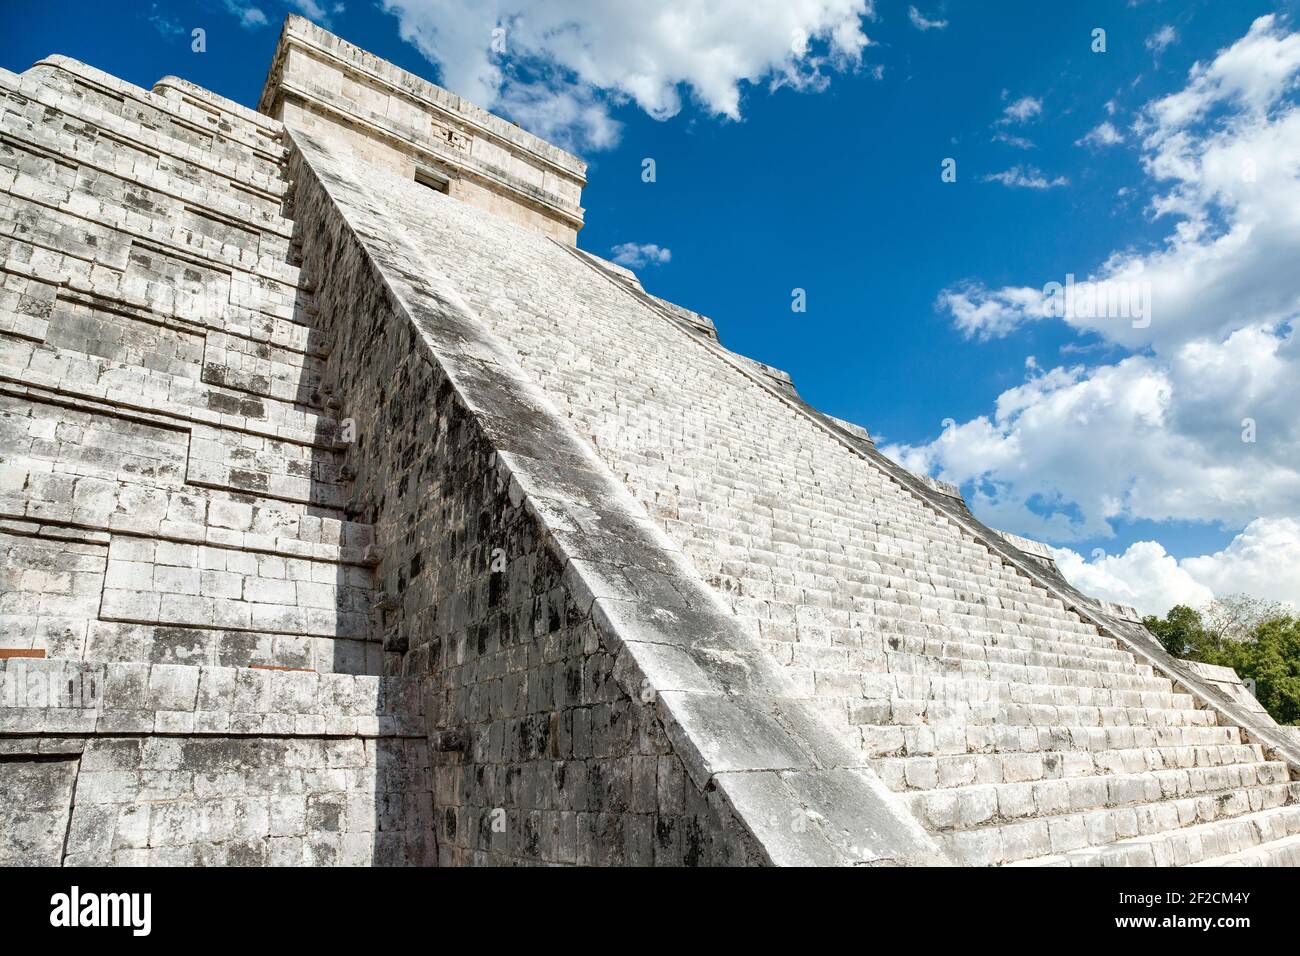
x=830, y=182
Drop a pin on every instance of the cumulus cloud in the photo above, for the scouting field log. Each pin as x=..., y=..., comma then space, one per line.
x=1025, y=177
x=572, y=117
x=1262, y=561
x=1072, y=450
x=1102, y=135
x=597, y=55
x=634, y=255
x=1220, y=156
x=1195, y=420
x=921, y=23
x=1145, y=576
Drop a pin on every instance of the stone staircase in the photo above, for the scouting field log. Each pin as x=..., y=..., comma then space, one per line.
x=176, y=314
x=177, y=521
x=174, y=531
x=1011, y=727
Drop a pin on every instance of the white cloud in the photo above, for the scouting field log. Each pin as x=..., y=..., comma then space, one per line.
x=1219, y=155
x=165, y=25
x=1022, y=110
x=1101, y=136
x=991, y=314
x=1162, y=39
x=1262, y=561
x=921, y=23
x=1145, y=576
x=1253, y=73
x=571, y=117
x=601, y=54
x=1160, y=435
x=1025, y=177
x=309, y=8
x=249, y=16
x=634, y=255
x=1020, y=142
x=1073, y=449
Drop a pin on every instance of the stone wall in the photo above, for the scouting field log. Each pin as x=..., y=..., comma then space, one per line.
x=539, y=756
x=169, y=764
x=1008, y=715
x=189, y=666
x=605, y=706
x=394, y=120
x=343, y=521
x=34, y=815
x=296, y=570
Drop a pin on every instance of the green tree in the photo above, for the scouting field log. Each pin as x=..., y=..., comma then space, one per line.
x=1180, y=631
x=1272, y=659
x=1254, y=638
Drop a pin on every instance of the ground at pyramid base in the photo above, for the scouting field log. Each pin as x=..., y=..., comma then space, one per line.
x=352, y=515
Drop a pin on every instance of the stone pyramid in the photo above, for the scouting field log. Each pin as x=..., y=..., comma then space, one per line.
x=351, y=514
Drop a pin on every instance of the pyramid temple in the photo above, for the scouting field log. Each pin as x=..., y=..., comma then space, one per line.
x=350, y=514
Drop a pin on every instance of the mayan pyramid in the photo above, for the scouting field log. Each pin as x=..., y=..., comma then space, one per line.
x=351, y=514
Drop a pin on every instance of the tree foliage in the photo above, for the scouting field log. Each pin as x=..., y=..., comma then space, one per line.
x=1180, y=631
x=1255, y=638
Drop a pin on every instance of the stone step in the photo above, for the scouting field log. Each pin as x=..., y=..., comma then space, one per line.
x=954, y=577
x=868, y=655
x=213, y=163
x=928, y=630
x=1044, y=835
x=1073, y=678
x=862, y=627
x=148, y=114
x=893, y=595
x=858, y=546
x=895, y=724
x=894, y=509
x=173, y=177
x=976, y=688
x=893, y=599
x=1283, y=852
x=907, y=605
x=1269, y=837
x=1036, y=689
x=963, y=770
x=791, y=615
x=954, y=738
x=1027, y=639
x=968, y=807
x=921, y=548
x=894, y=739
x=866, y=562
x=1037, y=654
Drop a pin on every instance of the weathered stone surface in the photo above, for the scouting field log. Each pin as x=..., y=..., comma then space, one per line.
x=391, y=119
x=345, y=521
x=185, y=615
x=34, y=813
